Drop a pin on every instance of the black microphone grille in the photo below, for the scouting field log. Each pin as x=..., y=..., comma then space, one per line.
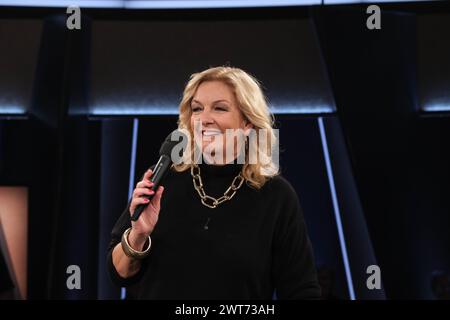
x=174, y=138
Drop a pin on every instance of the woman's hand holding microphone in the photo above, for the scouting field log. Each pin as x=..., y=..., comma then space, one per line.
x=143, y=227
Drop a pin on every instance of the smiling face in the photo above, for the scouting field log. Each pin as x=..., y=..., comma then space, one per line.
x=215, y=107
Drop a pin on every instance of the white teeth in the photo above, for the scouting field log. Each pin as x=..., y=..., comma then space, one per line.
x=211, y=132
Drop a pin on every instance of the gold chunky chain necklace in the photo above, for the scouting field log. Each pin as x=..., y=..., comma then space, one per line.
x=209, y=201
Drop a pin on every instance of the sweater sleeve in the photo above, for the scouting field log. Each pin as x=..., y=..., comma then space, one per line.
x=294, y=271
x=123, y=223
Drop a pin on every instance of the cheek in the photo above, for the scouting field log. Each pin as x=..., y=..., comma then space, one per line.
x=228, y=122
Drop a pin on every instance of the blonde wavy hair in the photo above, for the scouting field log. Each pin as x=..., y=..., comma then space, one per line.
x=253, y=105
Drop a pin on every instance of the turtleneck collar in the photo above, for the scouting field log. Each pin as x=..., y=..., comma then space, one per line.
x=220, y=170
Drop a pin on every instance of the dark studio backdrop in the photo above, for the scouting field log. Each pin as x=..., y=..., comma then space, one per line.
x=363, y=116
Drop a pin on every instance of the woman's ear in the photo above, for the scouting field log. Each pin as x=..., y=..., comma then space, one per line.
x=247, y=127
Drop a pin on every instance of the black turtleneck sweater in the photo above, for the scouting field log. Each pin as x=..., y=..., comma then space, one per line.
x=254, y=245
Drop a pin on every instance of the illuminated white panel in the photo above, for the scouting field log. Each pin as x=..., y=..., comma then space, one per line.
x=180, y=4
x=133, y=110
x=158, y=4
x=12, y=110
x=144, y=4
x=173, y=110
x=341, y=1
x=437, y=107
x=64, y=3
x=371, y=1
x=302, y=109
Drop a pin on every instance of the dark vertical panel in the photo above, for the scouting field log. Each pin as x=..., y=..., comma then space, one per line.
x=46, y=104
x=75, y=237
x=49, y=84
x=357, y=239
x=116, y=136
x=430, y=220
x=80, y=68
x=302, y=163
x=78, y=223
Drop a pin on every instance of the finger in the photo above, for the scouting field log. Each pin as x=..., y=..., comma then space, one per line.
x=144, y=184
x=156, y=200
x=136, y=202
x=139, y=192
x=147, y=174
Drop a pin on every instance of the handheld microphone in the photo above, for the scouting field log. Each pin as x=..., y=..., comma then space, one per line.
x=175, y=139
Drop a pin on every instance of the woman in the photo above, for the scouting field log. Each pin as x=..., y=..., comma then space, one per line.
x=218, y=229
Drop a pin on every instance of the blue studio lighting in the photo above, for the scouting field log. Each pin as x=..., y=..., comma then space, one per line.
x=148, y=4
x=11, y=110
x=157, y=4
x=181, y=4
x=173, y=110
x=437, y=107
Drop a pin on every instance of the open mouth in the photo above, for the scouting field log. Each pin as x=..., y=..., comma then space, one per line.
x=211, y=132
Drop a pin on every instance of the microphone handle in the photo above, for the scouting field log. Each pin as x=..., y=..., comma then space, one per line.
x=159, y=173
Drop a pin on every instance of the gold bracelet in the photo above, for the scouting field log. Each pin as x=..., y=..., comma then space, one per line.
x=129, y=251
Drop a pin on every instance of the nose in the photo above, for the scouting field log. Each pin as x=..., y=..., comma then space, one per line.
x=206, y=118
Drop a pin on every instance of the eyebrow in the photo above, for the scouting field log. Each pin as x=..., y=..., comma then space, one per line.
x=222, y=100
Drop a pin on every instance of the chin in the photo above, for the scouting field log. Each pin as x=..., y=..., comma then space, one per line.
x=205, y=144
